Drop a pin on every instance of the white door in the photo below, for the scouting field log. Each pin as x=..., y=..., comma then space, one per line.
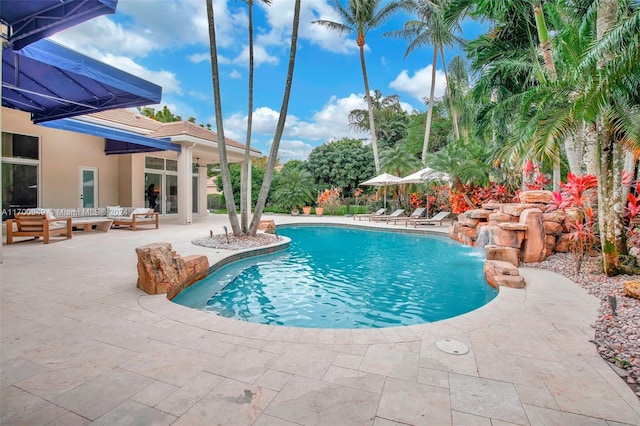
x=88, y=187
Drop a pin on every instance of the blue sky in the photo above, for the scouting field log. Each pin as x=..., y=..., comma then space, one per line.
x=166, y=42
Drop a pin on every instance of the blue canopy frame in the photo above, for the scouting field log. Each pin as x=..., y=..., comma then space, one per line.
x=51, y=82
x=116, y=141
x=29, y=21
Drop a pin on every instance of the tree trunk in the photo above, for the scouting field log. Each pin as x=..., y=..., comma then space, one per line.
x=222, y=148
x=245, y=184
x=610, y=207
x=273, y=154
x=573, y=148
x=454, y=112
x=591, y=149
x=556, y=173
x=372, y=126
x=427, y=129
x=545, y=44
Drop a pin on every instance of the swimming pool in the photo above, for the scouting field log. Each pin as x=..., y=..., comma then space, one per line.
x=340, y=277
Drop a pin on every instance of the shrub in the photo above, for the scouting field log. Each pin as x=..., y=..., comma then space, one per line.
x=214, y=201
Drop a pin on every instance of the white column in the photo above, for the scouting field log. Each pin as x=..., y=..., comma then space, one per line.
x=185, y=175
x=202, y=191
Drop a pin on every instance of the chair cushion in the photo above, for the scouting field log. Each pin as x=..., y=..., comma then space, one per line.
x=114, y=211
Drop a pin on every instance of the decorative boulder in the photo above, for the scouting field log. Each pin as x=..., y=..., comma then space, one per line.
x=552, y=228
x=499, y=273
x=537, y=196
x=563, y=243
x=505, y=254
x=160, y=270
x=631, y=289
x=533, y=247
x=557, y=216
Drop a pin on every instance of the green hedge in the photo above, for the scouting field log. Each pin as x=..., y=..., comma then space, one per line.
x=214, y=201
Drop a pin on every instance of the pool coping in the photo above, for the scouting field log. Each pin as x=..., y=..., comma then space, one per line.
x=500, y=306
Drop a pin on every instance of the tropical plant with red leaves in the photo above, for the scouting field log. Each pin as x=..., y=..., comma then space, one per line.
x=532, y=177
x=582, y=236
x=579, y=188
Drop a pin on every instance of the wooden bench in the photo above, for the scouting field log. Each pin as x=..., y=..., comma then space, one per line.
x=136, y=220
x=38, y=225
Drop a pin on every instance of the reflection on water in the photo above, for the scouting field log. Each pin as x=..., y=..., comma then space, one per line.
x=348, y=278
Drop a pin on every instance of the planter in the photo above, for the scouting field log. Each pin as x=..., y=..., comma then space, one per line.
x=295, y=212
x=306, y=210
x=319, y=211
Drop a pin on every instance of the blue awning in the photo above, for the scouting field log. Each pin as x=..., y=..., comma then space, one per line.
x=116, y=141
x=29, y=21
x=51, y=81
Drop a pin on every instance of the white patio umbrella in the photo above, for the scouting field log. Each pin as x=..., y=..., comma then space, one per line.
x=424, y=176
x=383, y=180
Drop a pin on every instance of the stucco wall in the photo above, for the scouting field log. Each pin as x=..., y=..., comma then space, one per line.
x=62, y=153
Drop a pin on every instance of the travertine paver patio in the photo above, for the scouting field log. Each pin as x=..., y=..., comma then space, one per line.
x=80, y=344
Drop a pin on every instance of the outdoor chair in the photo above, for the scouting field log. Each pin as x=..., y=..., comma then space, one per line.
x=38, y=225
x=417, y=214
x=368, y=216
x=437, y=219
x=385, y=218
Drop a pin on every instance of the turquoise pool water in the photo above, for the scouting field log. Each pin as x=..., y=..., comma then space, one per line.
x=336, y=277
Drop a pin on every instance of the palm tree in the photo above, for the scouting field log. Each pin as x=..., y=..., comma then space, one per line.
x=222, y=148
x=295, y=188
x=273, y=154
x=429, y=29
x=398, y=161
x=359, y=17
x=391, y=120
x=244, y=186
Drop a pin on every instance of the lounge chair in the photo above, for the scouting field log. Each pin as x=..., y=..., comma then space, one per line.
x=38, y=225
x=368, y=216
x=385, y=218
x=417, y=214
x=437, y=219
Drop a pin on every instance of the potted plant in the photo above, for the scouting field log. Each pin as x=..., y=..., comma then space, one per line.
x=294, y=189
x=306, y=210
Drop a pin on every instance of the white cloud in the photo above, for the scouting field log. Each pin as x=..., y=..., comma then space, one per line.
x=166, y=79
x=196, y=58
x=292, y=150
x=147, y=26
x=280, y=15
x=260, y=56
x=102, y=34
x=235, y=74
x=419, y=84
x=330, y=123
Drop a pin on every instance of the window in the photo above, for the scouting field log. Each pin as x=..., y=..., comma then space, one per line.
x=20, y=173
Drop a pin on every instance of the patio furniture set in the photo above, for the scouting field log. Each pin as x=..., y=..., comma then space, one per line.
x=52, y=222
x=416, y=218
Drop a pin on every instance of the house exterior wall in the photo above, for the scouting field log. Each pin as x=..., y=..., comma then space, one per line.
x=62, y=153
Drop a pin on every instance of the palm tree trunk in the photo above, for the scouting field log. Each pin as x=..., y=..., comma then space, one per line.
x=591, y=149
x=427, y=129
x=454, y=112
x=245, y=184
x=610, y=165
x=222, y=148
x=573, y=147
x=545, y=45
x=273, y=154
x=372, y=126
